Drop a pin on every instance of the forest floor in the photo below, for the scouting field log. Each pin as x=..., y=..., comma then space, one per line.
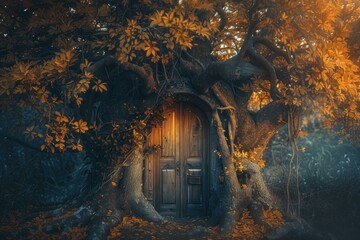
x=136, y=228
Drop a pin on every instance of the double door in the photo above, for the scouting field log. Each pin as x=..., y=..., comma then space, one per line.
x=177, y=178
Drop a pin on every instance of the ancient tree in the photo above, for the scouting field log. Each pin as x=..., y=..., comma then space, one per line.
x=95, y=76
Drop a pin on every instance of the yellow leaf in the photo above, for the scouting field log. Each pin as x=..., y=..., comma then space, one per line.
x=100, y=86
x=85, y=65
x=156, y=19
x=77, y=146
x=114, y=184
x=261, y=163
x=80, y=126
x=60, y=117
x=303, y=149
x=83, y=85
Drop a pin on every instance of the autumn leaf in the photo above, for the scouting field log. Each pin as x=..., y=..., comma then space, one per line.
x=83, y=66
x=261, y=163
x=156, y=19
x=78, y=100
x=61, y=117
x=240, y=167
x=60, y=146
x=303, y=149
x=77, y=146
x=83, y=85
x=150, y=48
x=43, y=147
x=80, y=126
x=100, y=86
x=30, y=132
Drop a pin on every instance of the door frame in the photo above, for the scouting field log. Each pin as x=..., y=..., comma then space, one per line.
x=152, y=175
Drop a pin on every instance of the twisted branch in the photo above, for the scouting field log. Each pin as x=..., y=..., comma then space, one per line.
x=223, y=19
x=144, y=72
x=271, y=46
x=274, y=92
x=232, y=123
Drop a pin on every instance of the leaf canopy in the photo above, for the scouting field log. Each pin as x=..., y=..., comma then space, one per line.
x=47, y=48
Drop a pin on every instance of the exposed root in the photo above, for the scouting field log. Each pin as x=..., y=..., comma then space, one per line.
x=255, y=197
x=260, y=192
x=257, y=213
x=42, y=226
x=100, y=226
x=142, y=208
x=229, y=220
x=81, y=216
x=132, y=196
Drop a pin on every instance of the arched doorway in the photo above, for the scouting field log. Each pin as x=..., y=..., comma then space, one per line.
x=176, y=176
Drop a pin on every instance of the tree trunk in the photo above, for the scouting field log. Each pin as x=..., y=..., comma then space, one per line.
x=243, y=190
x=227, y=212
x=123, y=195
x=132, y=196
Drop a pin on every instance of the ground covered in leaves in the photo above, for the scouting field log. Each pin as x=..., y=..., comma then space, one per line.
x=136, y=228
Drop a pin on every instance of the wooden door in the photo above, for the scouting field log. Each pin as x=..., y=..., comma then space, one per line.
x=179, y=181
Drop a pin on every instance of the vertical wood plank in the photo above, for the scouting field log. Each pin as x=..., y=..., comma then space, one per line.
x=168, y=135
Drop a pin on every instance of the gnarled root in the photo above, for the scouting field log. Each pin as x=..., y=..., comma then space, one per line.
x=81, y=216
x=255, y=196
x=100, y=226
x=142, y=208
x=132, y=196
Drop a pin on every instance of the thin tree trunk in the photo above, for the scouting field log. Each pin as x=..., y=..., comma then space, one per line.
x=228, y=210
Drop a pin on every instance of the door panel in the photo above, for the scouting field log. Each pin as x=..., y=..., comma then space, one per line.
x=179, y=168
x=194, y=187
x=168, y=135
x=194, y=134
x=168, y=186
x=193, y=149
x=168, y=181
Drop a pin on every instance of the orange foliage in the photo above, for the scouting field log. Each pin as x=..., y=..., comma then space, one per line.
x=323, y=71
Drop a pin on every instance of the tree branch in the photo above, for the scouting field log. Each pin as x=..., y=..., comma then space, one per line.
x=261, y=126
x=225, y=71
x=223, y=19
x=273, y=114
x=196, y=61
x=232, y=70
x=271, y=46
x=144, y=72
x=246, y=43
x=274, y=92
x=232, y=122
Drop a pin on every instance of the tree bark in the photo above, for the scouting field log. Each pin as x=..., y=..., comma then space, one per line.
x=227, y=212
x=132, y=196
